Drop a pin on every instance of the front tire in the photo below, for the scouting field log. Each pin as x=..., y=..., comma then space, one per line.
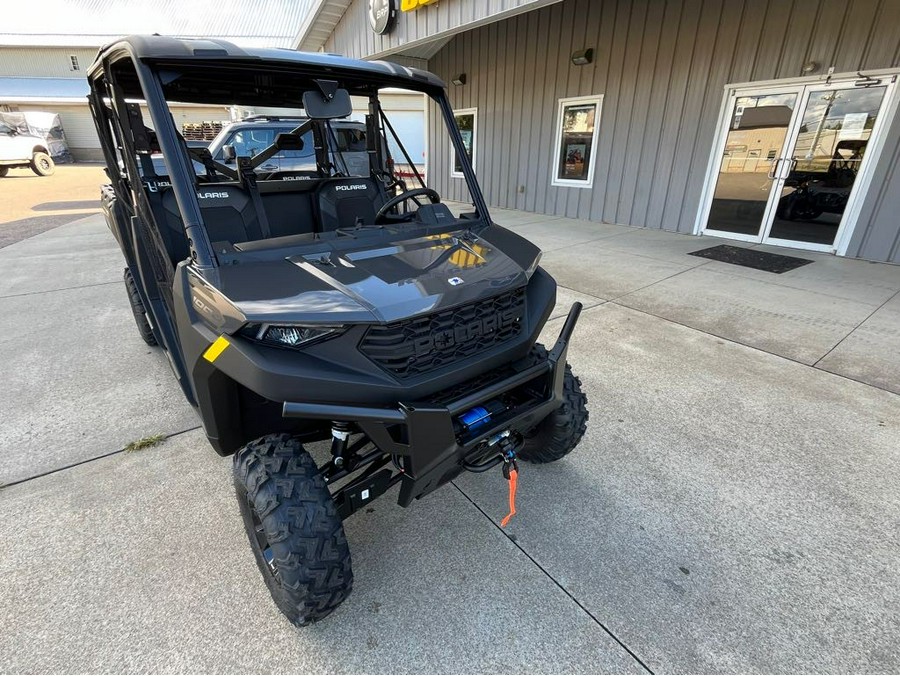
x=42, y=164
x=294, y=528
x=137, y=309
x=559, y=433
x=4, y=171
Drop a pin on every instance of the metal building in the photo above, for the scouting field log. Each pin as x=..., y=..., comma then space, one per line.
x=44, y=53
x=770, y=121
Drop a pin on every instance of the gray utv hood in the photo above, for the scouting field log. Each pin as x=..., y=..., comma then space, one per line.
x=375, y=283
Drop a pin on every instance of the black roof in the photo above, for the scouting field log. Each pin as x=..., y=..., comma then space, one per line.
x=157, y=48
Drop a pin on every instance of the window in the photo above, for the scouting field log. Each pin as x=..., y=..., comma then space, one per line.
x=350, y=140
x=249, y=142
x=576, y=141
x=308, y=152
x=465, y=120
x=73, y=62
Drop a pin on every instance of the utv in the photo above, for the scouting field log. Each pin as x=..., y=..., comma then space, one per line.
x=325, y=304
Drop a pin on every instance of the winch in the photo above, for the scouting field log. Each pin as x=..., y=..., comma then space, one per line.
x=480, y=415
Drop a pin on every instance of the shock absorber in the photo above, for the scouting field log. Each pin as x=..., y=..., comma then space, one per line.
x=340, y=436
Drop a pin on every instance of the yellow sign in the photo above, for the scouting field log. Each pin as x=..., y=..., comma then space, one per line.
x=412, y=5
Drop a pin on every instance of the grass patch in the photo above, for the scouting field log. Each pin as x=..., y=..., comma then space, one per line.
x=145, y=442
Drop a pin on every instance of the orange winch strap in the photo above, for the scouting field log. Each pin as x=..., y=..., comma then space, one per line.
x=513, y=484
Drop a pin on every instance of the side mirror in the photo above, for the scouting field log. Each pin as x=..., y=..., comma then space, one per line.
x=319, y=107
x=228, y=154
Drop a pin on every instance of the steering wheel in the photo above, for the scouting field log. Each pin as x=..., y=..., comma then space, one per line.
x=382, y=214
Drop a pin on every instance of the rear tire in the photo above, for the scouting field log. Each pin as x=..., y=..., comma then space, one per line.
x=137, y=309
x=294, y=528
x=4, y=171
x=42, y=164
x=559, y=433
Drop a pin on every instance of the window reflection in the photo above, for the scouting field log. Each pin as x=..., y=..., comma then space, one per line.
x=755, y=138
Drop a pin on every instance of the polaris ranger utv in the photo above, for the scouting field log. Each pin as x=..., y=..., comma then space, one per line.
x=325, y=304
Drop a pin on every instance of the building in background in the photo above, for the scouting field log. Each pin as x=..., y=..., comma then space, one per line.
x=765, y=121
x=45, y=51
x=44, y=54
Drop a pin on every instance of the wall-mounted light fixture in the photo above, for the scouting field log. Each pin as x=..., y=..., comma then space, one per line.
x=809, y=67
x=583, y=57
x=459, y=80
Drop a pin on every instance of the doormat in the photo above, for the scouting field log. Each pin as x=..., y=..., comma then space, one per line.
x=749, y=258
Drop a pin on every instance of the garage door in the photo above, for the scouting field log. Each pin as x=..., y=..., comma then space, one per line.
x=79, y=128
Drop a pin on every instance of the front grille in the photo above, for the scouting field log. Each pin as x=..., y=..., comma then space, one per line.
x=415, y=346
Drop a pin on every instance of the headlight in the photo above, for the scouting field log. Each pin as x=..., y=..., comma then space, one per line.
x=289, y=335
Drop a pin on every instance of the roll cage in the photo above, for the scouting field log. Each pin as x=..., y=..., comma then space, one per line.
x=156, y=69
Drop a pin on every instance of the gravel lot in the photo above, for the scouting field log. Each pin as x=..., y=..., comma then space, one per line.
x=33, y=204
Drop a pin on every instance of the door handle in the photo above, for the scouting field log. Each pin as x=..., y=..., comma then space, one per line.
x=791, y=165
x=269, y=167
x=773, y=169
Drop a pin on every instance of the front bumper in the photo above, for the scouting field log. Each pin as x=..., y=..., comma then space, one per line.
x=422, y=435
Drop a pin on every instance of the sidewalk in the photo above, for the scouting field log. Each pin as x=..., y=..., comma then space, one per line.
x=837, y=314
x=732, y=508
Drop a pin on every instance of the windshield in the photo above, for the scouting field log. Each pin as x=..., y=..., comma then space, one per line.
x=288, y=175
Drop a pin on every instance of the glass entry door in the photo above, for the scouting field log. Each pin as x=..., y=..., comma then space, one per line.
x=820, y=170
x=790, y=160
x=756, y=139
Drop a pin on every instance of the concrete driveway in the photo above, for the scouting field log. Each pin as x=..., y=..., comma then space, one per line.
x=733, y=507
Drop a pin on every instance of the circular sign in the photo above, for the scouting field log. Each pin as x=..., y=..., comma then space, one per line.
x=382, y=15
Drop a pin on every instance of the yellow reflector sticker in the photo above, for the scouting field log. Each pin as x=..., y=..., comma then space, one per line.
x=218, y=347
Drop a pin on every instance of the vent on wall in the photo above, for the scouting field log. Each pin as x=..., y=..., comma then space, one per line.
x=73, y=62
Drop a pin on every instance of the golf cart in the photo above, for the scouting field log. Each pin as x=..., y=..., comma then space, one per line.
x=331, y=303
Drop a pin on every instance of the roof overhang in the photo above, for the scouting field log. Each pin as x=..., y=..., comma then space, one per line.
x=43, y=90
x=326, y=14
x=319, y=23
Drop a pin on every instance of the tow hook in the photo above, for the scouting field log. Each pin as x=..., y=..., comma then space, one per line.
x=504, y=444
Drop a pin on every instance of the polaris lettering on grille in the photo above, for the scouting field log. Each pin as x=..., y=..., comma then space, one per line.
x=212, y=195
x=419, y=345
x=462, y=333
x=362, y=186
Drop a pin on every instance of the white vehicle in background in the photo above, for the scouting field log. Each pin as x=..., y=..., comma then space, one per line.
x=23, y=150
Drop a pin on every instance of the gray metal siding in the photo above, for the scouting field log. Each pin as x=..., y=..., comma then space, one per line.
x=354, y=37
x=661, y=67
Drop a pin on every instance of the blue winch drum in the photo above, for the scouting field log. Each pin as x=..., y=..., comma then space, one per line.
x=475, y=417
